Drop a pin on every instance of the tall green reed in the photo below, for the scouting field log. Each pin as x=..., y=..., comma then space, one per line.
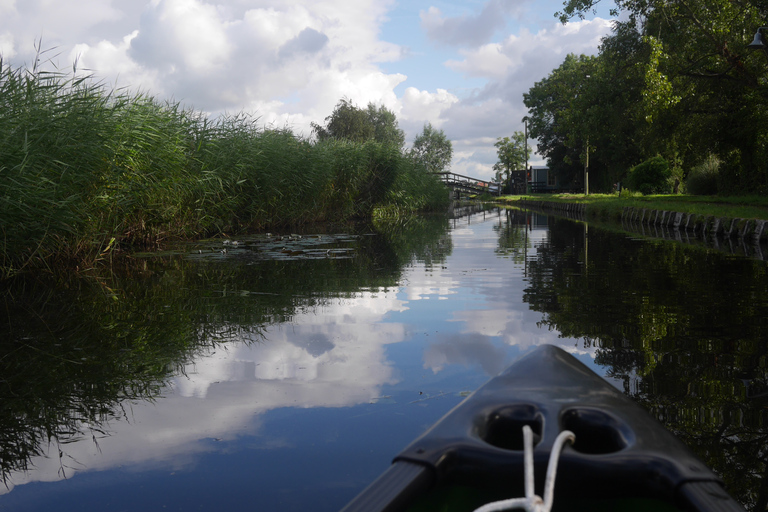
x=46, y=139
x=84, y=168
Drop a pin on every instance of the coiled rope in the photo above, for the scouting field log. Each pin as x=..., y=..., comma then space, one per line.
x=532, y=502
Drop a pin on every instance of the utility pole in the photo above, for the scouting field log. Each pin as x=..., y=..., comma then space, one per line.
x=586, y=160
x=525, y=174
x=525, y=123
x=586, y=172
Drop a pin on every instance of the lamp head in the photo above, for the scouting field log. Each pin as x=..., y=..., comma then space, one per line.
x=757, y=43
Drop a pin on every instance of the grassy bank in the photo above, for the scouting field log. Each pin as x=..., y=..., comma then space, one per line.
x=84, y=169
x=611, y=205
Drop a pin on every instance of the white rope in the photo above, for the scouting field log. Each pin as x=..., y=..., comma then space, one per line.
x=532, y=502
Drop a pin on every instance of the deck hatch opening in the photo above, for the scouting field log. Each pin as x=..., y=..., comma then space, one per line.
x=597, y=432
x=503, y=428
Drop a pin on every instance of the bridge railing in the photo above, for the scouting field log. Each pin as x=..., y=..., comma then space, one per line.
x=469, y=184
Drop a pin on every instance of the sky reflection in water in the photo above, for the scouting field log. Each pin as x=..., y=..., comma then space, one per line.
x=307, y=416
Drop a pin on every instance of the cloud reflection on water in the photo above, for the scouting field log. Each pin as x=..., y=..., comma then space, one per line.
x=330, y=356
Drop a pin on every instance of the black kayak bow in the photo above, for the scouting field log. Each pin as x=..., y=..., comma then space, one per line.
x=474, y=454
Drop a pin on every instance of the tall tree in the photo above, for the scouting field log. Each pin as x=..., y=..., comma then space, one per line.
x=350, y=122
x=703, y=91
x=588, y=106
x=385, y=126
x=555, y=119
x=433, y=149
x=512, y=155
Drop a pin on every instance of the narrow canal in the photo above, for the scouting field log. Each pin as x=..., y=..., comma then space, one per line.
x=282, y=373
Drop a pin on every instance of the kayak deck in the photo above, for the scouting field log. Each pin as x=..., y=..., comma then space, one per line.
x=622, y=457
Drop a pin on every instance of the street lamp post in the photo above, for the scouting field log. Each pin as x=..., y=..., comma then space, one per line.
x=586, y=160
x=525, y=174
x=586, y=171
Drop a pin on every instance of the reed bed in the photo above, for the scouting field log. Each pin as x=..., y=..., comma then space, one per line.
x=85, y=169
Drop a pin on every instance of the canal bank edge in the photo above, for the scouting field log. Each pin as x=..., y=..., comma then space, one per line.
x=754, y=229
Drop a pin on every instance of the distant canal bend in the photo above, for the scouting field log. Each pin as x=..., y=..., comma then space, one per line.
x=284, y=371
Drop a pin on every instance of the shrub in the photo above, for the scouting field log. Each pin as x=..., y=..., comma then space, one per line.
x=702, y=179
x=651, y=177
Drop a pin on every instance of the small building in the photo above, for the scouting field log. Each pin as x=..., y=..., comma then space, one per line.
x=540, y=179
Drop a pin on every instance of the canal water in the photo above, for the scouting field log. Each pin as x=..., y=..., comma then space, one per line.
x=282, y=372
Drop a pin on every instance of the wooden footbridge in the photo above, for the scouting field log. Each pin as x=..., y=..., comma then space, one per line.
x=461, y=184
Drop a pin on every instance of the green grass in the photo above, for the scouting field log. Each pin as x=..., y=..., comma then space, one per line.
x=611, y=205
x=84, y=169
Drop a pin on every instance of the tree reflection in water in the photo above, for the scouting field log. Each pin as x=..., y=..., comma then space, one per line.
x=682, y=327
x=685, y=329
x=76, y=351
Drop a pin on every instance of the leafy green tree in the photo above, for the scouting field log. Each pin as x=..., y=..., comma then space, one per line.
x=346, y=122
x=350, y=122
x=512, y=153
x=433, y=149
x=702, y=90
x=552, y=122
x=588, y=106
x=385, y=126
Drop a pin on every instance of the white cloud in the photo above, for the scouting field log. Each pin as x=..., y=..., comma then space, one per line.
x=7, y=7
x=111, y=60
x=54, y=26
x=289, y=63
x=542, y=51
x=7, y=46
x=468, y=29
x=309, y=42
x=182, y=34
x=510, y=68
x=317, y=360
x=421, y=107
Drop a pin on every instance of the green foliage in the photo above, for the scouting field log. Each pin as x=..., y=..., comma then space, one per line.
x=346, y=122
x=569, y=111
x=702, y=179
x=415, y=190
x=722, y=206
x=385, y=126
x=512, y=153
x=432, y=149
x=651, y=177
x=658, y=94
x=349, y=122
x=549, y=105
x=683, y=84
x=84, y=167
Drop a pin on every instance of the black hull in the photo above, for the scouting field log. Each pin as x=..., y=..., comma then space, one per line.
x=620, y=452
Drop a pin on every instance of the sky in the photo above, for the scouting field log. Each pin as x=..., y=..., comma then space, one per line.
x=462, y=66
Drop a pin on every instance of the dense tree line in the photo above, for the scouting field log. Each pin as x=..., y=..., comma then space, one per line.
x=674, y=79
x=431, y=148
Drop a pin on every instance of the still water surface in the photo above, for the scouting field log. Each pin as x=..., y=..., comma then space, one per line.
x=283, y=373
